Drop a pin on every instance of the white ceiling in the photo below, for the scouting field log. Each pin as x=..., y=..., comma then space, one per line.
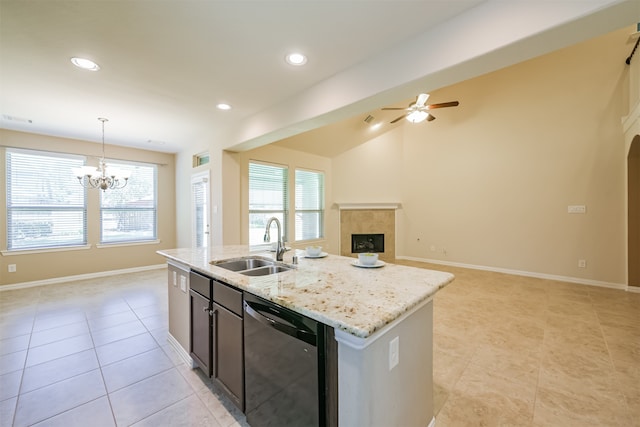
x=166, y=64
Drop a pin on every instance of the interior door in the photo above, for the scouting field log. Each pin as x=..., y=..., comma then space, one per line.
x=200, y=210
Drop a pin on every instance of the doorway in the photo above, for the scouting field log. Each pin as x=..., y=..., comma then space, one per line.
x=633, y=214
x=200, y=212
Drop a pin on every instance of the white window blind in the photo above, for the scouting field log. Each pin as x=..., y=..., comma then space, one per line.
x=309, y=212
x=268, y=197
x=130, y=213
x=46, y=206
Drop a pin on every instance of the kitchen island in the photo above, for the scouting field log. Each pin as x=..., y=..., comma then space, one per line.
x=382, y=320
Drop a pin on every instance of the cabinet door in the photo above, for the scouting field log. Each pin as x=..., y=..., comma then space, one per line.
x=228, y=358
x=201, y=331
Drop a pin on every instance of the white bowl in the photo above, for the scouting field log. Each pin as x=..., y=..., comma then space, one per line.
x=368, y=258
x=313, y=250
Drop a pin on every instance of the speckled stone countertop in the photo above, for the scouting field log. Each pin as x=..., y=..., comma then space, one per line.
x=359, y=301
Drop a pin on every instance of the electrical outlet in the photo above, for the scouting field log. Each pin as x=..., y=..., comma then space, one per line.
x=183, y=283
x=175, y=278
x=576, y=209
x=394, y=352
x=11, y=268
x=582, y=263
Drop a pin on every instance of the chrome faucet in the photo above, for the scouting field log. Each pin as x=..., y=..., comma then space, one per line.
x=267, y=237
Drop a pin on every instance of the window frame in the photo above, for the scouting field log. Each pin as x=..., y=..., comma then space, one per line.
x=126, y=164
x=286, y=200
x=320, y=211
x=13, y=208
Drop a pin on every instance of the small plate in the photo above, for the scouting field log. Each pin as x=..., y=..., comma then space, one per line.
x=356, y=263
x=322, y=255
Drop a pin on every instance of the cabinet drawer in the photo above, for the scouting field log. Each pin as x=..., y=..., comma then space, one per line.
x=228, y=297
x=201, y=284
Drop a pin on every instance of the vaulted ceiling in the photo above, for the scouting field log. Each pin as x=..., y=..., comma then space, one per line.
x=166, y=64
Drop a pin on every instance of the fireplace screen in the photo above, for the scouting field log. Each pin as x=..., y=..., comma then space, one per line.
x=367, y=243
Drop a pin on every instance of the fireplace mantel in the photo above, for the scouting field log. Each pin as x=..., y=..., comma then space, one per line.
x=369, y=205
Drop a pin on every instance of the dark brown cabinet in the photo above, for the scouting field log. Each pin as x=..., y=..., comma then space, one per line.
x=217, y=339
x=200, y=324
x=228, y=344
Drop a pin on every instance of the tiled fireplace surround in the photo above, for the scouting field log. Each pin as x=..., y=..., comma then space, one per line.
x=366, y=219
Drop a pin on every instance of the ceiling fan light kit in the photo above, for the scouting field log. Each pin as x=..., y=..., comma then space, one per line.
x=418, y=111
x=417, y=116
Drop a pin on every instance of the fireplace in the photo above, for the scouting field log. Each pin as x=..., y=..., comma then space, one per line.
x=367, y=243
x=368, y=228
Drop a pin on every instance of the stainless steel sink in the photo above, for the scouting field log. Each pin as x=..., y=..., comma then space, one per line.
x=244, y=264
x=253, y=266
x=264, y=271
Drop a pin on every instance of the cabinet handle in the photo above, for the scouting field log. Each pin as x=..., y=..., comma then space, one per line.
x=205, y=309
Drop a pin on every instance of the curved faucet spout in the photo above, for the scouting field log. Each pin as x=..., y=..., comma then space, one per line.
x=267, y=237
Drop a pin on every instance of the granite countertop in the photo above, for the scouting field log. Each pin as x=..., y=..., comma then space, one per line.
x=359, y=301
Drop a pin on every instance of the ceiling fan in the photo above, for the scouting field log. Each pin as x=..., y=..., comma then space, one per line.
x=418, y=111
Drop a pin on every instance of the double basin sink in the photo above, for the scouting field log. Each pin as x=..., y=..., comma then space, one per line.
x=252, y=266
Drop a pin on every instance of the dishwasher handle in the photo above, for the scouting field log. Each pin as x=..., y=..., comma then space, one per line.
x=307, y=336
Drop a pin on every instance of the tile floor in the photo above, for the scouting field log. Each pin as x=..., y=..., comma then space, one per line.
x=508, y=350
x=519, y=351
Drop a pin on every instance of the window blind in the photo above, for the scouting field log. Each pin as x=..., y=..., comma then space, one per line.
x=268, y=197
x=130, y=213
x=309, y=205
x=46, y=206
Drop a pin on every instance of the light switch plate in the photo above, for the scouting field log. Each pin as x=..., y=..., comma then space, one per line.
x=394, y=352
x=576, y=209
x=183, y=283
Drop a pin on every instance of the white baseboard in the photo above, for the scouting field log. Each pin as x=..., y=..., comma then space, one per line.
x=96, y=275
x=634, y=289
x=182, y=353
x=620, y=286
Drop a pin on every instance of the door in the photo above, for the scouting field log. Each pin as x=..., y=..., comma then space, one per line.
x=201, y=331
x=228, y=360
x=200, y=211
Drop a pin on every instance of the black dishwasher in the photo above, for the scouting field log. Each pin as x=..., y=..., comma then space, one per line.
x=284, y=366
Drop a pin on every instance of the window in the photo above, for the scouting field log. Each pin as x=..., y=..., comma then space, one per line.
x=309, y=205
x=46, y=207
x=268, y=196
x=129, y=214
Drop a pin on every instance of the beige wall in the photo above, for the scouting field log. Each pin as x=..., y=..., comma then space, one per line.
x=488, y=183
x=47, y=265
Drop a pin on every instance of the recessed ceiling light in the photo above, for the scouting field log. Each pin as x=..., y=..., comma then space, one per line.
x=85, y=64
x=296, y=59
x=223, y=106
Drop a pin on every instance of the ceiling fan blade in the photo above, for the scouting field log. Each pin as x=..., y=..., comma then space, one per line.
x=422, y=99
x=393, y=108
x=399, y=118
x=443, y=105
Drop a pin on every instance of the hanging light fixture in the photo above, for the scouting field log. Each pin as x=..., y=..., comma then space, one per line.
x=417, y=116
x=102, y=177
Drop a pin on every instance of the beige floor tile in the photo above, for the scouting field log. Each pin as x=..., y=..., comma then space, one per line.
x=556, y=407
x=144, y=398
x=45, y=402
x=48, y=373
x=97, y=411
x=189, y=412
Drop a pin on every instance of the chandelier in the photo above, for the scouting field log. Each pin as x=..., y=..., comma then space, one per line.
x=103, y=178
